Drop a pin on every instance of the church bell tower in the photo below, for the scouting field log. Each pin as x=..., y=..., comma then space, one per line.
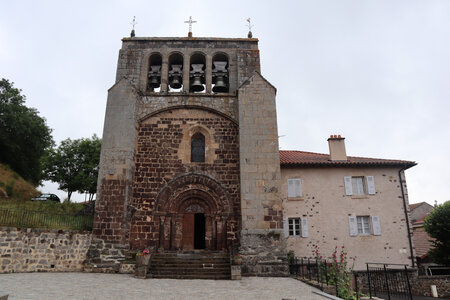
x=189, y=159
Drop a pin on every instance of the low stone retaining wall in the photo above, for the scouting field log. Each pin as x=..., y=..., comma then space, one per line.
x=420, y=285
x=37, y=250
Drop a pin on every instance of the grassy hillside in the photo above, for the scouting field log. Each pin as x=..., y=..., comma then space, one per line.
x=13, y=186
x=16, y=209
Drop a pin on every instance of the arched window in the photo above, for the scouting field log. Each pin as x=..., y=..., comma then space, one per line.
x=197, y=73
x=220, y=73
x=175, y=72
x=198, y=148
x=154, y=73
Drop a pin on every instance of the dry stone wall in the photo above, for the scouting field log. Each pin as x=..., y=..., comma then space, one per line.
x=36, y=250
x=420, y=285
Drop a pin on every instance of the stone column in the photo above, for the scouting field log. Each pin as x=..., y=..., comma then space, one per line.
x=186, y=70
x=219, y=233
x=165, y=74
x=167, y=233
x=208, y=233
x=161, y=232
x=214, y=234
x=208, y=74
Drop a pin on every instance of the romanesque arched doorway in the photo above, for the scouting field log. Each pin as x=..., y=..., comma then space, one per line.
x=194, y=212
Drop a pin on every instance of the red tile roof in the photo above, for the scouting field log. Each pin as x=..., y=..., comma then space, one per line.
x=415, y=205
x=420, y=221
x=302, y=158
x=421, y=241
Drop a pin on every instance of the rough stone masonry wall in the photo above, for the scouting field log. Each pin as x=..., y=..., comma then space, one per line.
x=116, y=164
x=163, y=152
x=262, y=215
x=36, y=250
x=420, y=285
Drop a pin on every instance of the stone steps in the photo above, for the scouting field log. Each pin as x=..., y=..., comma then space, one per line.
x=191, y=265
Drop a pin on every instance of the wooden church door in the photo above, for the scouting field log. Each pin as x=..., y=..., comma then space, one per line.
x=188, y=231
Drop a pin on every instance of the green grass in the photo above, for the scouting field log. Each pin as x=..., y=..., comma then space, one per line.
x=45, y=215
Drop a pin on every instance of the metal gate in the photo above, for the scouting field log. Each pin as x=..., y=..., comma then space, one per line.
x=388, y=281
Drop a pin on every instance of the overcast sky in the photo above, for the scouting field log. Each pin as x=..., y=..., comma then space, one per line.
x=376, y=72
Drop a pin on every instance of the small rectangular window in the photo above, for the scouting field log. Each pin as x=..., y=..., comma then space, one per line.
x=358, y=185
x=294, y=188
x=363, y=225
x=294, y=226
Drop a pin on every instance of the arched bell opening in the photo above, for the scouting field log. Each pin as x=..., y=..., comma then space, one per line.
x=197, y=73
x=154, y=73
x=220, y=80
x=175, y=72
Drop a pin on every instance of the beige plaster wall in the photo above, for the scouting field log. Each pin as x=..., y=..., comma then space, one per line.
x=327, y=208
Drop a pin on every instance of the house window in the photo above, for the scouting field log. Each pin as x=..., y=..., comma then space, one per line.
x=294, y=226
x=363, y=225
x=198, y=148
x=294, y=188
x=359, y=185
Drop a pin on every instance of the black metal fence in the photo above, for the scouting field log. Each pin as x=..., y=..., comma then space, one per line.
x=323, y=273
x=388, y=281
x=34, y=219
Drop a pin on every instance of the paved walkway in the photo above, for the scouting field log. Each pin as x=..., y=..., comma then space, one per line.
x=117, y=286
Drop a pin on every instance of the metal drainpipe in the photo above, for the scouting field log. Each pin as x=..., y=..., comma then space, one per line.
x=406, y=215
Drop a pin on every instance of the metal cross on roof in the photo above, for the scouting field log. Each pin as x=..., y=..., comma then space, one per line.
x=190, y=22
x=134, y=22
x=249, y=25
x=132, y=34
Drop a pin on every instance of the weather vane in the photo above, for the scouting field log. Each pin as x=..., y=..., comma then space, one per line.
x=133, y=23
x=190, y=22
x=249, y=25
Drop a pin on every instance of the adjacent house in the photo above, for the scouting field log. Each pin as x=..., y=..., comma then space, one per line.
x=421, y=240
x=334, y=200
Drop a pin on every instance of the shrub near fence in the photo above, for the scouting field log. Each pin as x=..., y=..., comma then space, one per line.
x=36, y=219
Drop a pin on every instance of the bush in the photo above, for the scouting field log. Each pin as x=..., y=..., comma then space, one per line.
x=437, y=225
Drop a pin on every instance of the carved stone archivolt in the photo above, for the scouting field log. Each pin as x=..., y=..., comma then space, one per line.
x=190, y=189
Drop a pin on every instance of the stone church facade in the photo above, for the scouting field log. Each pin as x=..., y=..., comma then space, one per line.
x=190, y=163
x=190, y=156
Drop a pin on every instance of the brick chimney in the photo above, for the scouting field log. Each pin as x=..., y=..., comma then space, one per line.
x=337, y=148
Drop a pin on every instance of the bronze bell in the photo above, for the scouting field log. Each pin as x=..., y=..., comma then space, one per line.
x=175, y=83
x=197, y=85
x=220, y=75
x=154, y=76
x=197, y=74
x=221, y=85
x=175, y=76
x=154, y=81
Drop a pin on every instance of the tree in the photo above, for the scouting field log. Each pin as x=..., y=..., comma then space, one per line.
x=74, y=165
x=24, y=135
x=437, y=224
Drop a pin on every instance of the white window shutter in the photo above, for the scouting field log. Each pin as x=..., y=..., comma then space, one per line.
x=305, y=227
x=370, y=185
x=291, y=188
x=376, y=227
x=353, y=226
x=298, y=187
x=285, y=228
x=348, y=185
